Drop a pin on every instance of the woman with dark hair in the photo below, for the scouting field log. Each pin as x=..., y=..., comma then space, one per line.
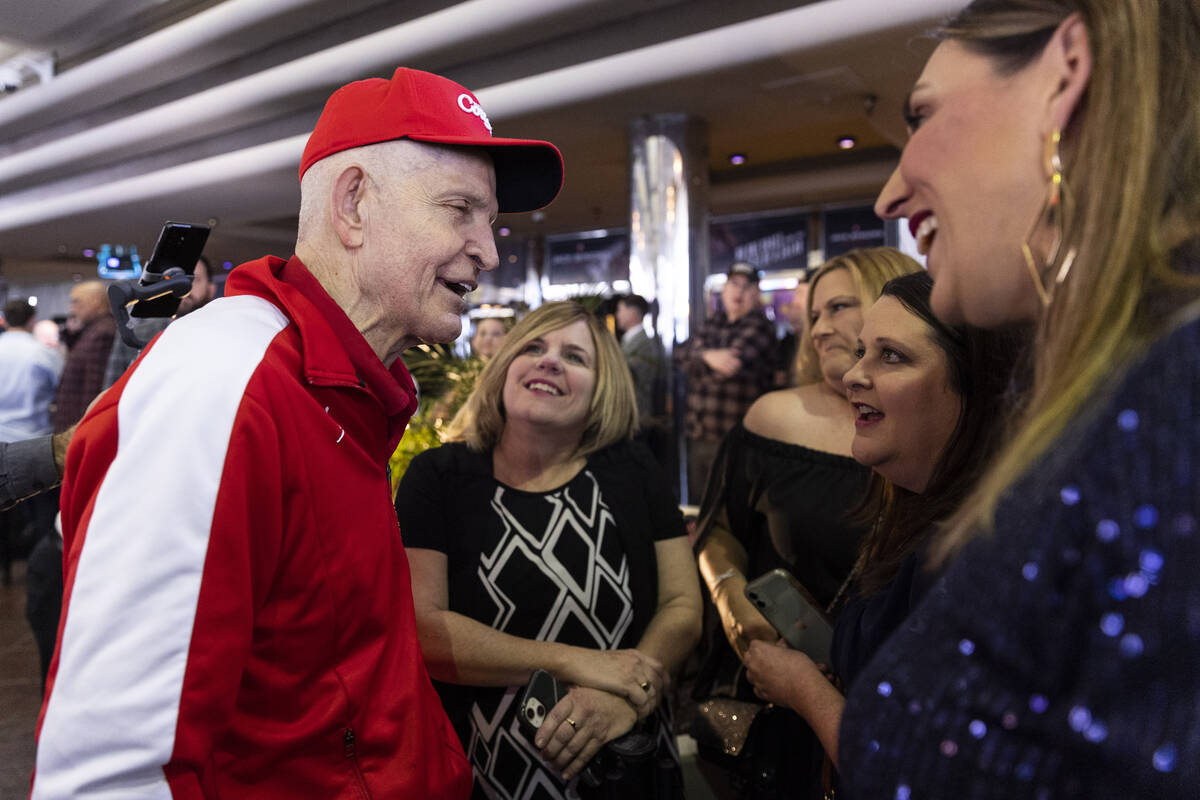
x=930, y=401
x=779, y=496
x=1052, y=177
x=540, y=537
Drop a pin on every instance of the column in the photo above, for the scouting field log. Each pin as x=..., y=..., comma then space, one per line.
x=668, y=238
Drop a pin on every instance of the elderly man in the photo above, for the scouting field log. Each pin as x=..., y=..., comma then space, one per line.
x=91, y=330
x=239, y=620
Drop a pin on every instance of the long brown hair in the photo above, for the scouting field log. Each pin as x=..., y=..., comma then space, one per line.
x=980, y=367
x=1132, y=160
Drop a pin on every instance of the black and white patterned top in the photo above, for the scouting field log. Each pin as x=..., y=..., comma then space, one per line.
x=551, y=566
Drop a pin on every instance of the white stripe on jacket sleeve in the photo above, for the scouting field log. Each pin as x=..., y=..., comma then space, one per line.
x=111, y=719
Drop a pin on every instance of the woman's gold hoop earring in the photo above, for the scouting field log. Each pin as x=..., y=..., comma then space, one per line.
x=1057, y=198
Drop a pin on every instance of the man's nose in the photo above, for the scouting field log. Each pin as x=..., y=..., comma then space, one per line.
x=482, y=249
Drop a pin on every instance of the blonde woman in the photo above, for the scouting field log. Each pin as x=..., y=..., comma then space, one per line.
x=1052, y=176
x=779, y=496
x=541, y=537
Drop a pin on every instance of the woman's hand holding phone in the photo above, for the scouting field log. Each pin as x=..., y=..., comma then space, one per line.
x=579, y=725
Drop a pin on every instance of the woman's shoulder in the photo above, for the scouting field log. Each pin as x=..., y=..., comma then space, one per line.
x=809, y=416
x=621, y=456
x=451, y=457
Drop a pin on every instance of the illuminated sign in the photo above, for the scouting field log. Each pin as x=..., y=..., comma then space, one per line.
x=118, y=261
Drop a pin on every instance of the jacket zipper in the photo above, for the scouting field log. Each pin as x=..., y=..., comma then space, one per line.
x=349, y=752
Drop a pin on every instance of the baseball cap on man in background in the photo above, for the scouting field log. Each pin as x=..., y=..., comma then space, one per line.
x=739, y=295
x=744, y=268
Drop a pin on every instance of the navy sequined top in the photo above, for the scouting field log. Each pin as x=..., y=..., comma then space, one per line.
x=1060, y=656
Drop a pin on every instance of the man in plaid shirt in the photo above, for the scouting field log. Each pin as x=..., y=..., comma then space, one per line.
x=729, y=363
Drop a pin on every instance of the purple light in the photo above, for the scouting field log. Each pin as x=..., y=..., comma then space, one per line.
x=846, y=142
x=89, y=253
x=737, y=159
x=504, y=231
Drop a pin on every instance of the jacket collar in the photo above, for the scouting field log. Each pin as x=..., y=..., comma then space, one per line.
x=334, y=351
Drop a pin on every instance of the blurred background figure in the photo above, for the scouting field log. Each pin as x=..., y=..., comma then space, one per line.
x=46, y=332
x=89, y=338
x=795, y=311
x=782, y=492
x=540, y=502
x=29, y=373
x=647, y=363
x=729, y=362
x=489, y=335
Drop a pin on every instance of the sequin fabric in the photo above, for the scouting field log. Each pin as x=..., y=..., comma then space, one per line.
x=1059, y=657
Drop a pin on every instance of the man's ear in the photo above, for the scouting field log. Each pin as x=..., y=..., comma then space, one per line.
x=1068, y=59
x=346, y=205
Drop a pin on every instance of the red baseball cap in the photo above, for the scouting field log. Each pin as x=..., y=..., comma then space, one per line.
x=429, y=108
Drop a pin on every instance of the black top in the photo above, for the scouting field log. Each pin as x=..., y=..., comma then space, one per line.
x=1059, y=656
x=787, y=505
x=575, y=564
x=865, y=623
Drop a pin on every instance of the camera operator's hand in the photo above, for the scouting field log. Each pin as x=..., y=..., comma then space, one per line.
x=579, y=725
x=639, y=678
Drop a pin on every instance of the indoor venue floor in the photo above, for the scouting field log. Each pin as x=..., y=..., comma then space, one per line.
x=20, y=690
x=21, y=698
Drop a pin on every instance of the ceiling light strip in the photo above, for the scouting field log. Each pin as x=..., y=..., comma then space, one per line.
x=113, y=68
x=380, y=51
x=789, y=31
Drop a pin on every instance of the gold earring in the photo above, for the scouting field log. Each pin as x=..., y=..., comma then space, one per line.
x=1055, y=208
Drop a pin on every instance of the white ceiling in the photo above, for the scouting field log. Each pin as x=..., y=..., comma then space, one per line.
x=197, y=111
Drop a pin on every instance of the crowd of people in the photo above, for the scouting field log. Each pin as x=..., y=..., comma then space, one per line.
x=981, y=477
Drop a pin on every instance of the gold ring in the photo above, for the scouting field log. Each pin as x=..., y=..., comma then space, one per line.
x=645, y=686
x=571, y=722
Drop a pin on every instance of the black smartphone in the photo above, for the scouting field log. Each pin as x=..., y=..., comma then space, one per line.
x=539, y=696
x=179, y=247
x=792, y=612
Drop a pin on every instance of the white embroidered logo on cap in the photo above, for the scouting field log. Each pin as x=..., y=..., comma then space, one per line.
x=469, y=105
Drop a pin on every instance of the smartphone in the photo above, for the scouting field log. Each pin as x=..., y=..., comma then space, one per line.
x=179, y=247
x=539, y=696
x=793, y=612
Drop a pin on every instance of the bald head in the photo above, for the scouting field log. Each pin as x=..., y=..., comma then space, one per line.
x=386, y=163
x=89, y=301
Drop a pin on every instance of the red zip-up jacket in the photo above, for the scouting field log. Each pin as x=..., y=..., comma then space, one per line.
x=238, y=619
